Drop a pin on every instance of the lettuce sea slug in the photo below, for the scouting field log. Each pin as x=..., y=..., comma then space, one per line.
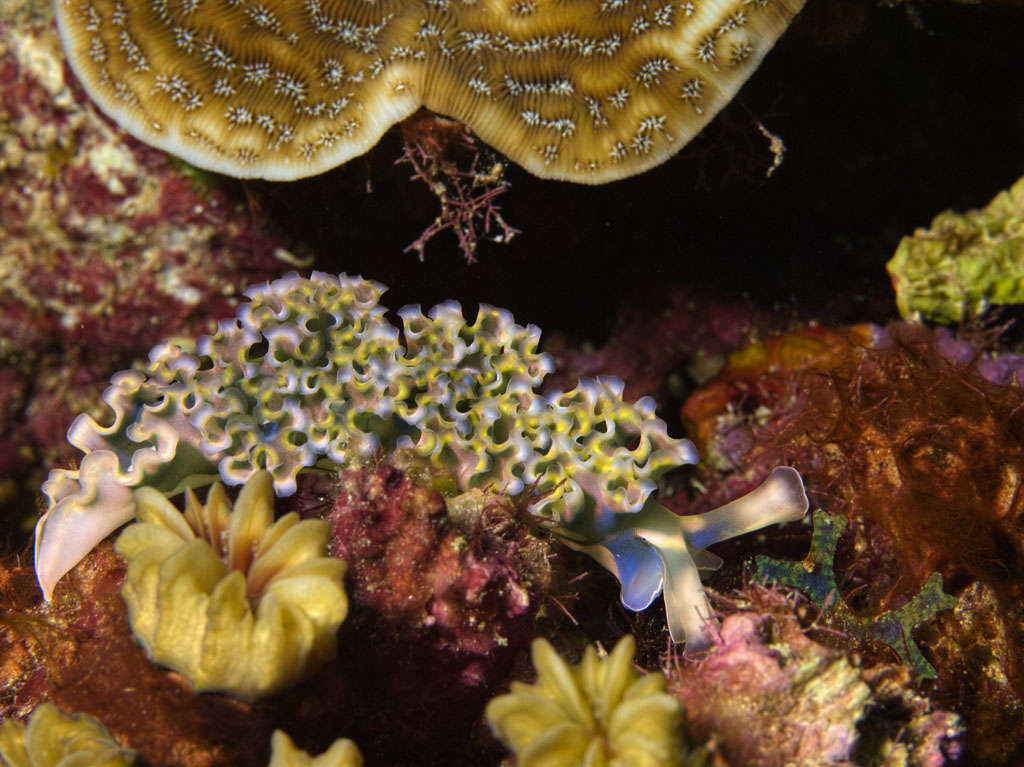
x=311, y=373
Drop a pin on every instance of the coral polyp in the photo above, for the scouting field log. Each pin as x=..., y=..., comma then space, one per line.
x=232, y=600
x=601, y=712
x=54, y=738
x=284, y=753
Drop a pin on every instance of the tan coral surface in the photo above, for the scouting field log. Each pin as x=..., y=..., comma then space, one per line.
x=580, y=90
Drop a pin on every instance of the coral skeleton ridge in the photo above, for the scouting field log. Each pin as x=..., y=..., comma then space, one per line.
x=53, y=738
x=581, y=90
x=601, y=712
x=311, y=373
x=232, y=600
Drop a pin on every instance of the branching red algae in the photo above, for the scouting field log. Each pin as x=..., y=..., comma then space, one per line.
x=445, y=156
x=921, y=446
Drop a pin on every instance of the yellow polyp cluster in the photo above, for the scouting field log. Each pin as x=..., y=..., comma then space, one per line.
x=601, y=713
x=53, y=738
x=230, y=599
x=284, y=753
x=580, y=90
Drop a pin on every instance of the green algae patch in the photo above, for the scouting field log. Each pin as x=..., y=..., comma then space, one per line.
x=964, y=263
x=815, y=577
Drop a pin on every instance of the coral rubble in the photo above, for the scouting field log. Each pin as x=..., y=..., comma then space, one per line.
x=452, y=586
x=769, y=695
x=588, y=91
x=467, y=569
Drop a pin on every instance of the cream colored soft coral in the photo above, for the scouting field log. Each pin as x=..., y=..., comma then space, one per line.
x=284, y=753
x=601, y=713
x=232, y=600
x=54, y=738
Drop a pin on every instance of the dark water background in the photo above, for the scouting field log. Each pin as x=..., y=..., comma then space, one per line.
x=889, y=116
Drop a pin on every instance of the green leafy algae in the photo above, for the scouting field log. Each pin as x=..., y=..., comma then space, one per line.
x=815, y=577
